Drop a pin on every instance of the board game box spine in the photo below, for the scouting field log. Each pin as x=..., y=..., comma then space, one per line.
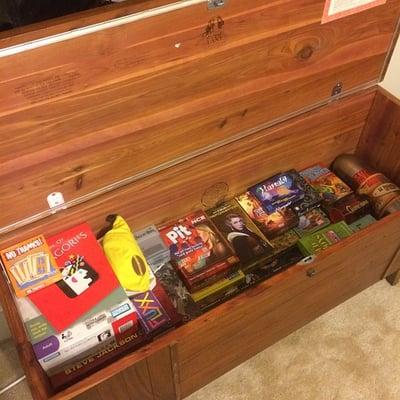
x=79, y=369
x=58, y=349
x=213, y=274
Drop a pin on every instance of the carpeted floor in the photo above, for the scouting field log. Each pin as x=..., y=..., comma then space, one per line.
x=350, y=353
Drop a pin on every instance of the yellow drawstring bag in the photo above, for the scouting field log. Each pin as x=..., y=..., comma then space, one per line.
x=126, y=257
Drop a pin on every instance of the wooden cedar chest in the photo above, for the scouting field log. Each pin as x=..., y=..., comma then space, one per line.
x=150, y=110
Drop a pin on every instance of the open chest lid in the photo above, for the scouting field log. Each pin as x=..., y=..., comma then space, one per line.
x=94, y=101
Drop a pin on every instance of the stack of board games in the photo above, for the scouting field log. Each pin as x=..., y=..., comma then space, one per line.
x=38, y=327
x=155, y=313
x=81, y=314
x=79, y=340
x=83, y=366
x=198, y=251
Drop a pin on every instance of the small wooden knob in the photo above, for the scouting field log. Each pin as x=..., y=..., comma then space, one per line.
x=311, y=272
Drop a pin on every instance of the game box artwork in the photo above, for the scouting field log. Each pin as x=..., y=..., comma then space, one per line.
x=312, y=221
x=30, y=266
x=312, y=198
x=271, y=225
x=324, y=181
x=313, y=243
x=239, y=230
x=87, y=278
x=277, y=192
x=197, y=250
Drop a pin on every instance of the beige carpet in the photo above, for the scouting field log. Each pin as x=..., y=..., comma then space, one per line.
x=350, y=353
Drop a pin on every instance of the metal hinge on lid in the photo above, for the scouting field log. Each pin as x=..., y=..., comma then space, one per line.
x=212, y=4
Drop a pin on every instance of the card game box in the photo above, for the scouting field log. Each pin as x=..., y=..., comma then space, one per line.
x=198, y=250
x=271, y=225
x=83, y=337
x=324, y=181
x=177, y=293
x=155, y=311
x=362, y=223
x=38, y=328
x=87, y=278
x=312, y=221
x=150, y=311
x=238, y=229
x=318, y=241
x=30, y=266
x=154, y=249
x=278, y=192
x=348, y=209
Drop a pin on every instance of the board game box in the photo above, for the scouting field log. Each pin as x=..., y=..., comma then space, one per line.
x=82, y=338
x=247, y=240
x=30, y=266
x=220, y=289
x=348, y=209
x=311, y=222
x=324, y=181
x=279, y=191
x=282, y=261
x=198, y=250
x=271, y=225
x=311, y=199
x=155, y=311
x=286, y=241
x=87, y=278
x=154, y=249
x=80, y=368
x=322, y=239
x=362, y=223
x=38, y=328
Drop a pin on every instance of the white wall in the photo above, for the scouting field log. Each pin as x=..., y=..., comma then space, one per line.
x=392, y=77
